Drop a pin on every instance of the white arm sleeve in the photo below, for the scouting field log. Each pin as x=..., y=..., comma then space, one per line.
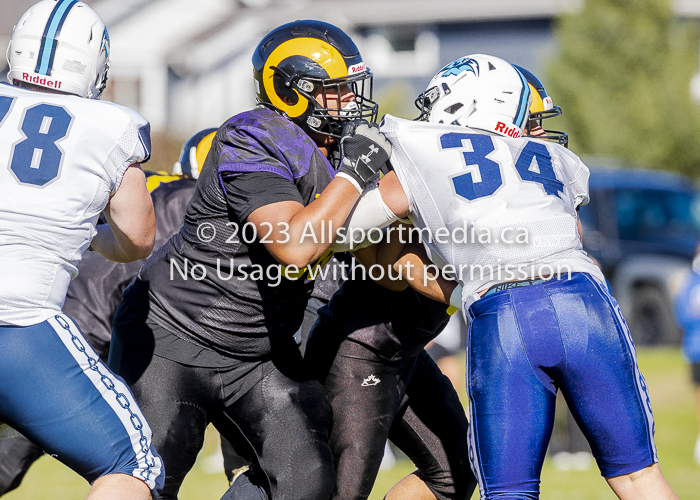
x=579, y=185
x=369, y=212
x=134, y=145
x=576, y=175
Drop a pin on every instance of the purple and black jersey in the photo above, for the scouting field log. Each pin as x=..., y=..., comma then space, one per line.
x=257, y=158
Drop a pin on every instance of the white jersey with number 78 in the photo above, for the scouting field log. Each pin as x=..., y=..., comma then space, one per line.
x=61, y=158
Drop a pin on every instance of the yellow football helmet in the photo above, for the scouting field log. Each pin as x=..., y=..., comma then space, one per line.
x=194, y=152
x=298, y=61
x=542, y=107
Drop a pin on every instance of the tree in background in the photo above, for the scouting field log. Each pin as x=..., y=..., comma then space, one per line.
x=396, y=98
x=622, y=77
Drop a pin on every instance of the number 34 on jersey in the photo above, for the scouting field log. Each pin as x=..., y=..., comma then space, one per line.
x=453, y=174
x=533, y=164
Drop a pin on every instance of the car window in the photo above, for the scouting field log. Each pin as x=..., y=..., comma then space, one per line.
x=644, y=214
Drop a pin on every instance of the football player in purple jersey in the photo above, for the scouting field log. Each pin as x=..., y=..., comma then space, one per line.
x=206, y=331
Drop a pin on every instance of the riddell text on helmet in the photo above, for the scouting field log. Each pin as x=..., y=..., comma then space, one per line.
x=511, y=132
x=43, y=81
x=356, y=68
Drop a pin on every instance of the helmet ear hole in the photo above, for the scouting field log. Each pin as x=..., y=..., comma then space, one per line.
x=451, y=110
x=286, y=93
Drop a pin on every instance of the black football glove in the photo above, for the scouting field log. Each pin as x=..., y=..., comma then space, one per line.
x=365, y=150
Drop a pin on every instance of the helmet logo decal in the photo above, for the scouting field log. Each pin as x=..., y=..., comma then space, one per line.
x=105, y=43
x=47, y=52
x=505, y=130
x=548, y=103
x=356, y=68
x=44, y=82
x=329, y=59
x=460, y=66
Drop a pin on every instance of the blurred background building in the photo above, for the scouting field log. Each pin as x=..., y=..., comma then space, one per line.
x=186, y=65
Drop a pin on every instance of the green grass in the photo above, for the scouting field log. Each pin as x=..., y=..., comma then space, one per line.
x=672, y=399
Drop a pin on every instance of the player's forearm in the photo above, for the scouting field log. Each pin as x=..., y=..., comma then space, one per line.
x=106, y=244
x=393, y=244
x=307, y=236
x=580, y=231
x=131, y=219
x=375, y=256
x=422, y=275
x=384, y=255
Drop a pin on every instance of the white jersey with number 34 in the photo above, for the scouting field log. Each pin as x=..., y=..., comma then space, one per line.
x=61, y=158
x=493, y=208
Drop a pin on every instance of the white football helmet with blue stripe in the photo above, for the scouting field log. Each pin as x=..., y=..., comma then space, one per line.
x=480, y=92
x=61, y=45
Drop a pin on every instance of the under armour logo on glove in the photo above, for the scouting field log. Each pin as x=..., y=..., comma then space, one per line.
x=372, y=149
x=365, y=150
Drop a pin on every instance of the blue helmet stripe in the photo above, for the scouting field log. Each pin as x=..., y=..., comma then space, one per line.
x=524, y=98
x=44, y=63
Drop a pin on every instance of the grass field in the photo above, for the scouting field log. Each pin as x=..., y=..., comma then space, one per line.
x=676, y=429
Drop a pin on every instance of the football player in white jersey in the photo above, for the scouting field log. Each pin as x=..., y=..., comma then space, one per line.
x=68, y=158
x=499, y=213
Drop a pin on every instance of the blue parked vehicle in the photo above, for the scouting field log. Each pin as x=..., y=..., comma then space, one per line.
x=643, y=226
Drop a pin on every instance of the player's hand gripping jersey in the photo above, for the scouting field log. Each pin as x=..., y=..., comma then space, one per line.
x=497, y=209
x=63, y=167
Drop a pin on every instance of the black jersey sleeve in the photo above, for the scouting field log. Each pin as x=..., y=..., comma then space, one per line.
x=249, y=191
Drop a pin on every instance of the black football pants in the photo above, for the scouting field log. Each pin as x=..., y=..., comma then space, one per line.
x=409, y=402
x=280, y=424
